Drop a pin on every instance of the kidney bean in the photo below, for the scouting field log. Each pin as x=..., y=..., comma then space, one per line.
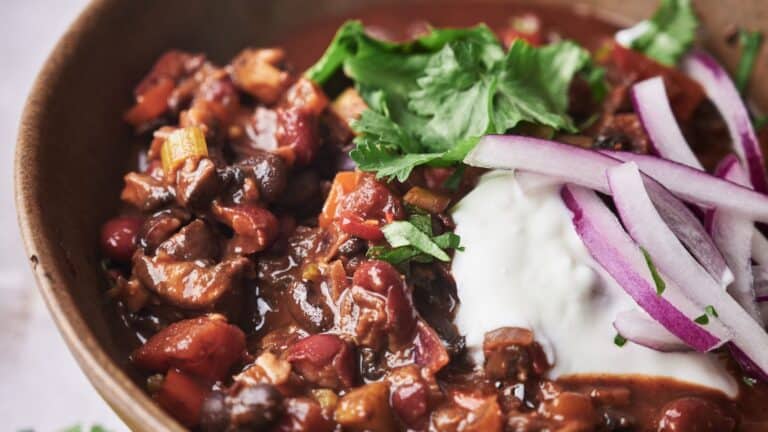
x=297, y=131
x=206, y=347
x=118, y=237
x=182, y=397
x=692, y=414
x=430, y=352
x=377, y=276
x=324, y=359
x=372, y=199
x=409, y=396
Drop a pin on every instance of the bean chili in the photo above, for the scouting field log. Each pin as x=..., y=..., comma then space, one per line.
x=242, y=261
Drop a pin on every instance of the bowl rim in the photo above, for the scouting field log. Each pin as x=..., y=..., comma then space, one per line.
x=121, y=393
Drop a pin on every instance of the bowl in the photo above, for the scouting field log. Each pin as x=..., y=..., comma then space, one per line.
x=73, y=147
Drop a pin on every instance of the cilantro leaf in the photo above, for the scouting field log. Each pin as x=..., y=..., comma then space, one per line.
x=402, y=233
x=432, y=98
x=750, y=47
x=412, y=240
x=669, y=33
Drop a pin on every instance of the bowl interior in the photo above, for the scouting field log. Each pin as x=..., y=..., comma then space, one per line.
x=74, y=149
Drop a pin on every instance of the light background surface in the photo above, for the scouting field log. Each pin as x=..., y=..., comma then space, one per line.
x=41, y=386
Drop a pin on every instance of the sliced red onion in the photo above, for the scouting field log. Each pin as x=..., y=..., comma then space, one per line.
x=651, y=104
x=732, y=234
x=584, y=167
x=646, y=226
x=610, y=246
x=699, y=187
x=642, y=330
x=724, y=95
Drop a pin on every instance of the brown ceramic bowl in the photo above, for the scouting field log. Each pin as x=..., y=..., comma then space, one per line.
x=73, y=148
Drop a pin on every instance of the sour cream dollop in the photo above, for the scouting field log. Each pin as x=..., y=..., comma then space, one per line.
x=524, y=266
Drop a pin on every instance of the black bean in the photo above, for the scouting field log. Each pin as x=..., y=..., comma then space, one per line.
x=352, y=246
x=269, y=171
x=214, y=416
x=255, y=406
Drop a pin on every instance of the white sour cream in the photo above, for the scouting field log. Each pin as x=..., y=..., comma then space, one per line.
x=525, y=266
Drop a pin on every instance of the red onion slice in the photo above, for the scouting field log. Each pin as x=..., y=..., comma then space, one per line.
x=587, y=168
x=724, y=95
x=651, y=104
x=732, y=234
x=646, y=226
x=642, y=330
x=699, y=187
x=610, y=246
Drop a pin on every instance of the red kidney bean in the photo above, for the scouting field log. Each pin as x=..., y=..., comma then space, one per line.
x=118, y=237
x=377, y=276
x=692, y=414
x=430, y=352
x=409, y=396
x=324, y=359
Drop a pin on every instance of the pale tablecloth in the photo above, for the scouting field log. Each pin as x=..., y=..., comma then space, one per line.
x=41, y=387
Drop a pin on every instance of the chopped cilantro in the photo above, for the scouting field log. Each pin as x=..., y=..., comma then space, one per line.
x=619, y=340
x=710, y=310
x=750, y=42
x=430, y=99
x=657, y=280
x=669, y=33
x=412, y=240
x=703, y=319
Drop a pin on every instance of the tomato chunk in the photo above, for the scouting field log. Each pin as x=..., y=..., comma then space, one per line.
x=684, y=93
x=206, y=347
x=182, y=397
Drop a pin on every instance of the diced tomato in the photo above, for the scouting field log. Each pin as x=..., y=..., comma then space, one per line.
x=356, y=226
x=344, y=183
x=150, y=104
x=684, y=93
x=182, y=397
x=206, y=347
x=526, y=27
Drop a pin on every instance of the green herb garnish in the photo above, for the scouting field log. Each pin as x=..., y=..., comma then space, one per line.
x=412, y=240
x=703, y=319
x=750, y=42
x=431, y=99
x=669, y=33
x=657, y=280
x=619, y=340
x=711, y=311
